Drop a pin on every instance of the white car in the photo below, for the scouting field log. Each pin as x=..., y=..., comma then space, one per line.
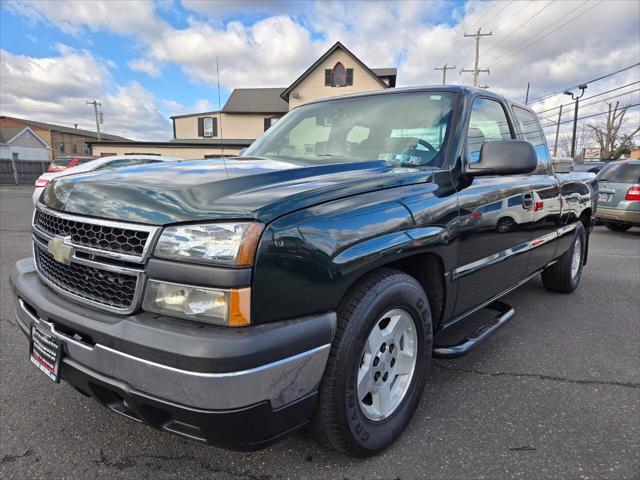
x=114, y=161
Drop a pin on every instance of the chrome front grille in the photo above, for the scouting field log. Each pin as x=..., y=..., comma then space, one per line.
x=100, y=237
x=103, y=263
x=112, y=289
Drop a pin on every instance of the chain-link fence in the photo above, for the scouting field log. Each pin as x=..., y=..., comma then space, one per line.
x=21, y=171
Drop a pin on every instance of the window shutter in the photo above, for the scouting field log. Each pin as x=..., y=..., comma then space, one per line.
x=267, y=124
x=201, y=127
x=328, y=74
x=214, y=123
x=349, y=76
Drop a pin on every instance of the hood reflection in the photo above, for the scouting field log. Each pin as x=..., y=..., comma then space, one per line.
x=168, y=192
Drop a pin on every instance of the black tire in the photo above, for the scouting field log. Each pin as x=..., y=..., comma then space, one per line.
x=558, y=277
x=505, y=224
x=338, y=419
x=617, y=227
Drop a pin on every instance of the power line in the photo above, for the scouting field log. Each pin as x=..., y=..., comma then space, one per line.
x=463, y=52
x=592, y=96
x=598, y=101
x=493, y=47
x=593, y=115
x=544, y=97
x=507, y=55
x=519, y=10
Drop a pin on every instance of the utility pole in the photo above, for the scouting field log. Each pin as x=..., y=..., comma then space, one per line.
x=526, y=99
x=444, y=72
x=476, y=70
x=582, y=88
x=555, y=144
x=98, y=122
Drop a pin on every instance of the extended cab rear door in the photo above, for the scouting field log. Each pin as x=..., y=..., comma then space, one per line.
x=544, y=189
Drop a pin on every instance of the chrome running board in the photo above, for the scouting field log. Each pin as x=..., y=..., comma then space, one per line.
x=505, y=312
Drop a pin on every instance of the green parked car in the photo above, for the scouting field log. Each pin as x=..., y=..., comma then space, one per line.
x=619, y=197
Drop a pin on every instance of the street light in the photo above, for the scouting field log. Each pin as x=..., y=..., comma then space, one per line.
x=582, y=88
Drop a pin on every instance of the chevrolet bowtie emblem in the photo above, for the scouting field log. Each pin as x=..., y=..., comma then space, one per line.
x=60, y=250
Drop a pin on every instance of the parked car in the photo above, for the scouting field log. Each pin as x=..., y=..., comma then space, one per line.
x=62, y=163
x=235, y=300
x=113, y=161
x=619, y=197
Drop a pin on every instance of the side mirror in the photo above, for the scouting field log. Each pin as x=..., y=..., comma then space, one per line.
x=504, y=157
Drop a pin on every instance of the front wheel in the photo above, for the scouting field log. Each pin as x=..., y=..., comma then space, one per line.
x=378, y=365
x=564, y=275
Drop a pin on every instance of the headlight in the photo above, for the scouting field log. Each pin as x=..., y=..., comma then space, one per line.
x=231, y=244
x=206, y=305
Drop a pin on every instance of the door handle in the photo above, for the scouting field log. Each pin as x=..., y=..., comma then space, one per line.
x=527, y=200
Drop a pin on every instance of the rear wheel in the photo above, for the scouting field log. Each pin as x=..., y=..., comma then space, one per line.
x=505, y=224
x=617, y=227
x=378, y=364
x=564, y=275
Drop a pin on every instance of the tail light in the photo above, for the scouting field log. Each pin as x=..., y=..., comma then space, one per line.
x=476, y=216
x=538, y=206
x=41, y=182
x=633, y=193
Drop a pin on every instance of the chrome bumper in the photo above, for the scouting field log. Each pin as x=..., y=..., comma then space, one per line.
x=280, y=382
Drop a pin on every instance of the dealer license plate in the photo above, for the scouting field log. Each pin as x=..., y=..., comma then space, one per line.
x=45, y=354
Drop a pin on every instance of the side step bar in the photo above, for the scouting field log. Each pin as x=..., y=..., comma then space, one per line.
x=505, y=312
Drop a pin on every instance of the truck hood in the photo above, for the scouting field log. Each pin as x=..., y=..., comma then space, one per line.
x=256, y=188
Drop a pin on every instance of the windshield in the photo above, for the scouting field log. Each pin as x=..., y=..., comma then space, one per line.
x=408, y=129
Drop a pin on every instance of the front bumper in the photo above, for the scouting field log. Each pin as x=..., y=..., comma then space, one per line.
x=618, y=215
x=238, y=388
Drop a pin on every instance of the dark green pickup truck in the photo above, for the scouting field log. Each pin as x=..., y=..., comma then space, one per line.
x=310, y=280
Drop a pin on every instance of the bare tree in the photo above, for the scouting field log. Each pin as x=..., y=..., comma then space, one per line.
x=613, y=143
x=583, y=140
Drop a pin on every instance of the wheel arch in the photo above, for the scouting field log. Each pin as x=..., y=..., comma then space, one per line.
x=428, y=270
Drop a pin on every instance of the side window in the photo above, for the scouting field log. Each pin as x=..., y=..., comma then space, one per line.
x=530, y=130
x=488, y=123
x=515, y=201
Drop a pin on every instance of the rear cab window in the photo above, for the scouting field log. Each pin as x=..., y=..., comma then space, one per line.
x=620, y=173
x=530, y=130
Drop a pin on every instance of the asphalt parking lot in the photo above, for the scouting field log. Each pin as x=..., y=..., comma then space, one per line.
x=554, y=394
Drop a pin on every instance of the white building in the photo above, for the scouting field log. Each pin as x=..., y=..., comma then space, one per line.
x=22, y=144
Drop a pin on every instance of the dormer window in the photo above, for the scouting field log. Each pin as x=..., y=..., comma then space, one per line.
x=338, y=76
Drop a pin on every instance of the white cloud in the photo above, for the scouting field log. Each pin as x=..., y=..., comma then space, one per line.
x=136, y=18
x=271, y=52
x=55, y=89
x=145, y=66
x=219, y=8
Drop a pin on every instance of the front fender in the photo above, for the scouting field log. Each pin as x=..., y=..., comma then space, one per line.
x=307, y=260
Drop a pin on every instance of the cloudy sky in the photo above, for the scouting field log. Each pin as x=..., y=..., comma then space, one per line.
x=146, y=61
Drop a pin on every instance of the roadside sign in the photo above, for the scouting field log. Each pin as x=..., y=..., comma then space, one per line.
x=592, y=153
